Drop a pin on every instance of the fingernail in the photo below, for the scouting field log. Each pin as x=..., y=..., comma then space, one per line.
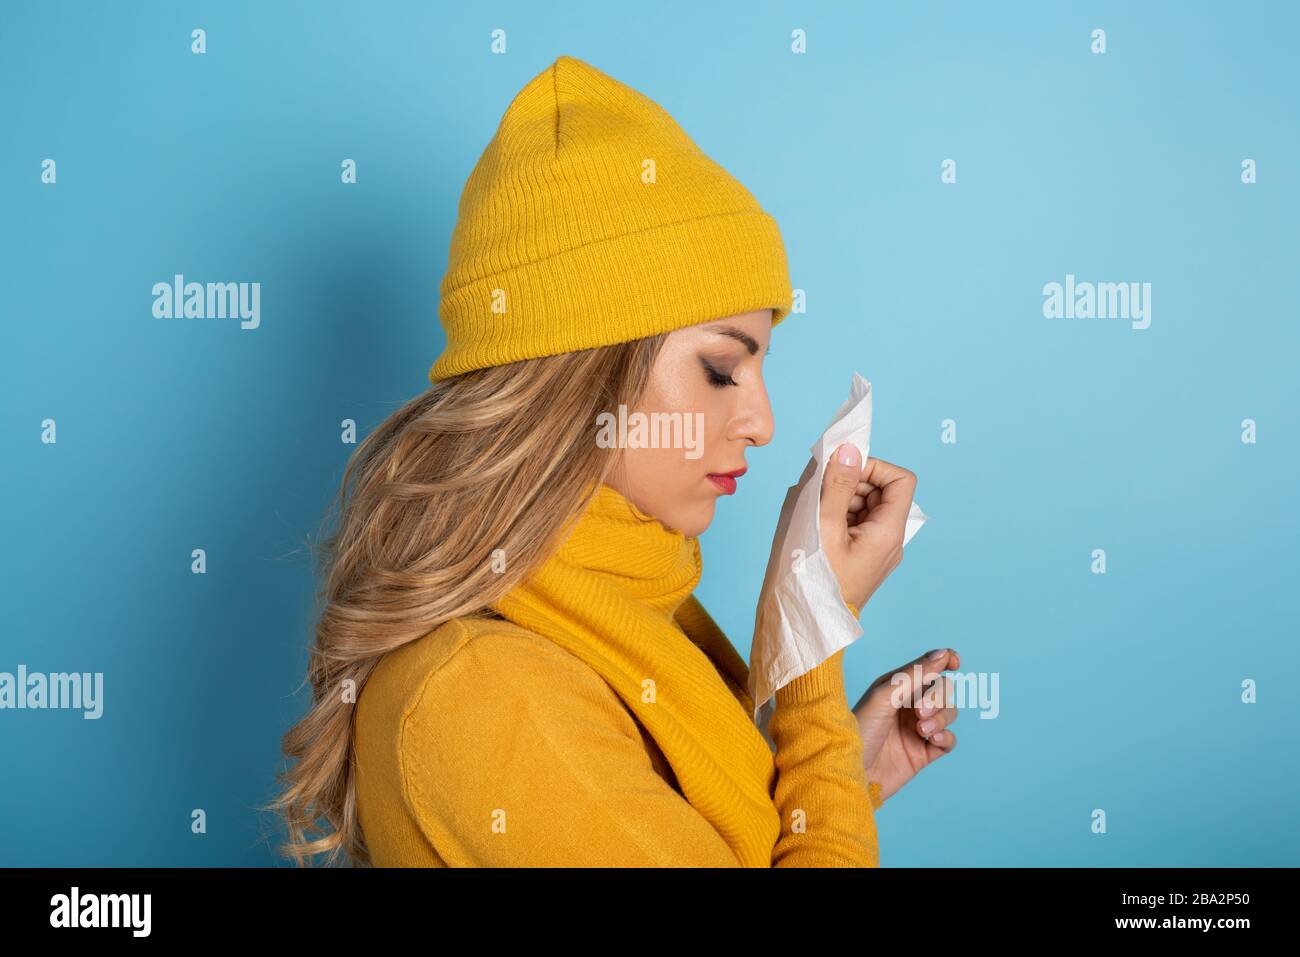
x=937, y=654
x=925, y=710
x=927, y=727
x=849, y=454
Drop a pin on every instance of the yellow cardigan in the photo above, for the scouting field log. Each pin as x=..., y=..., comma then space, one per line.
x=488, y=743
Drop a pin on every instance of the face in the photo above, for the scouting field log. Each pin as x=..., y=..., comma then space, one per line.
x=711, y=376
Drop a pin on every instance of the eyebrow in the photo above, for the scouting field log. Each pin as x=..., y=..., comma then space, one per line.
x=743, y=338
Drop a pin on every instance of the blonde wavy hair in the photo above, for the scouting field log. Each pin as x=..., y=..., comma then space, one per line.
x=497, y=458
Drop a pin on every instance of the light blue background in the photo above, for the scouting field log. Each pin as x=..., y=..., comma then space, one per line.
x=1118, y=691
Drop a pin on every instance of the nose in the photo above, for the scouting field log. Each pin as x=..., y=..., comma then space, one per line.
x=753, y=421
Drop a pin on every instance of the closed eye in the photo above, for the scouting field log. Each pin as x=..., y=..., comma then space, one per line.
x=717, y=379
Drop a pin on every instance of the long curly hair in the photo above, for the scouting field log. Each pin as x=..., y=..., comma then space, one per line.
x=496, y=458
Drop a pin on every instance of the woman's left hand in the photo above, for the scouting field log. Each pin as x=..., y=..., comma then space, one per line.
x=904, y=730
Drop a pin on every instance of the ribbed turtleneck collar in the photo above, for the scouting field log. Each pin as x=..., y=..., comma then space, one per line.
x=616, y=540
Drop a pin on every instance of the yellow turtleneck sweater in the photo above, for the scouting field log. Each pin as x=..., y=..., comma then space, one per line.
x=604, y=720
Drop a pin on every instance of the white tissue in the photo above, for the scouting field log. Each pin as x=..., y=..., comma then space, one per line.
x=802, y=619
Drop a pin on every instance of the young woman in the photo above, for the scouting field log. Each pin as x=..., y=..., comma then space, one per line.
x=511, y=668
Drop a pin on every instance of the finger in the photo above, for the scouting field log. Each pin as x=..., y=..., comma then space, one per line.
x=939, y=658
x=864, y=500
x=938, y=696
x=940, y=743
x=948, y=661
x=896, y=487
x=947, y=716
x=908, y=685
x=839, y=483
x=928, y=721
x=866, y=491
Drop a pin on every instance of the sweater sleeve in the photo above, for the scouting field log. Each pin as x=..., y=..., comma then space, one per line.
x=826, y=804
x=873, y=787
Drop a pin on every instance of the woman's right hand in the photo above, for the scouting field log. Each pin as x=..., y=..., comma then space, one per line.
x=863, y=517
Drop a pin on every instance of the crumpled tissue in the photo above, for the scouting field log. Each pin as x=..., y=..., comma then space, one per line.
x=802, y=619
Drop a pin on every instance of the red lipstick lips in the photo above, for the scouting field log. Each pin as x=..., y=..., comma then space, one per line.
x=726, y=481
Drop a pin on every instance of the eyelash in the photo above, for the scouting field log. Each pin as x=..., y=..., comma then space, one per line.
x=717, y=379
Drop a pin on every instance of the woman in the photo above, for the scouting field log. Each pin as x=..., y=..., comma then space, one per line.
x=511, y=668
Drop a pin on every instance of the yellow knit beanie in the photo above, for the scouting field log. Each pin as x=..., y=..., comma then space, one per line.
x=591, y=219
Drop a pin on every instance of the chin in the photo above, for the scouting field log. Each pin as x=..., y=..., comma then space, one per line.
x=697, y=520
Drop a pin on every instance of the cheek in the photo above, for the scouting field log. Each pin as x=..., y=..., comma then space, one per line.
x=670, y=470
x=679, y=390
x=690, y=395
x=678, y=385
